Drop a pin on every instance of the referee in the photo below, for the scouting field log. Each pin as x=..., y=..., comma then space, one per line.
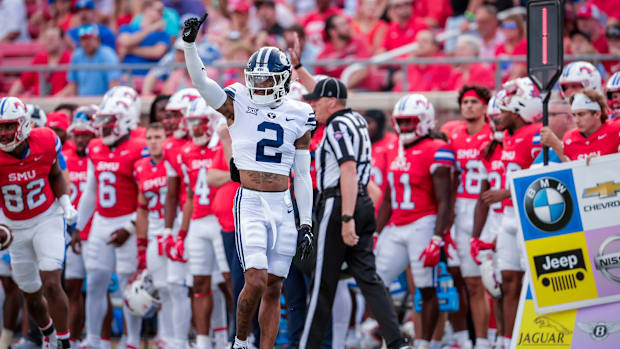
x=345, y=215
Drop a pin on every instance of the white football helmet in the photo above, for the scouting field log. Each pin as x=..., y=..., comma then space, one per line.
x=613, y=85
x=15, y=123
x=84, y=119
x=493, y=113
x=413, y=117
x=581, y=72
x=114, y=119
x=268, y=75
x=141, y=297
x=177, y=106
x=520, y=96
x=200, y=116
x=297, y=91
x=490, y=274
x=130, y=94
x=37, y=115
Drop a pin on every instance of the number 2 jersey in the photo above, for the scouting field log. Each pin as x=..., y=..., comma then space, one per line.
x=466, y=149
x=117, y=191
x=152, y=182
x=197, y=160
x=410, y=179
x=263, y=139
x=26, y=190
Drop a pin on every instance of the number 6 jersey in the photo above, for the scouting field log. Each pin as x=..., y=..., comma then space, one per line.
x=117, y=191
x=263, y=139
x=26, y=191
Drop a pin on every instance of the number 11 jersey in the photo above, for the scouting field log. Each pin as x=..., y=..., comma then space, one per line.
x=117, y=190
x=263, y=139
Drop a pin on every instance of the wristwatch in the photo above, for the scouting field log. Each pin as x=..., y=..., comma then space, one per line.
x=346, y=218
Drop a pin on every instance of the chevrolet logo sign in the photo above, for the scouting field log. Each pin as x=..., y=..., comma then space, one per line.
x=603, y=190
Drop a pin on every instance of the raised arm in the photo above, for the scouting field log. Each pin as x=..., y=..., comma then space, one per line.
x=212, y=93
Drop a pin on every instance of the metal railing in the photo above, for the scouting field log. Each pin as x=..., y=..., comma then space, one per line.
x=402, y=63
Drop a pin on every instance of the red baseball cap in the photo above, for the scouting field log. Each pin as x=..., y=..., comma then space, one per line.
x=58, y=119
x=239, y=6
x=588, y=11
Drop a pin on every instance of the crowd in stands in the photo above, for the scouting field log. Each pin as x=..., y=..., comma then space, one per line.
x=108, y=32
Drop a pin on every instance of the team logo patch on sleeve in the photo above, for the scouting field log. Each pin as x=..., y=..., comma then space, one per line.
x=338, y=135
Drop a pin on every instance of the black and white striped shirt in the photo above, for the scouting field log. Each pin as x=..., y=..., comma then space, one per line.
x=346, y=138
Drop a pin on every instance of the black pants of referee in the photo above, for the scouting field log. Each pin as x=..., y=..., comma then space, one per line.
x=331, y=253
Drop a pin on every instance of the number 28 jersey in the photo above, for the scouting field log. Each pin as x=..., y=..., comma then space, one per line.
x=26, y=191
x=117, y=191
x=152, y=183
x=410, y=181
x=467, y=152
x=263, y=139
x=197, y=161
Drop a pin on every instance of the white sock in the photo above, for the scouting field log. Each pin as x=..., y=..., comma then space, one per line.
x=105, y=344
x=96, y=304
x=241, y=344
x=181, y=307
x=203, y=342
x=492, y=334
x=422, y=344
x=507, y=342
x=483, y=343
x=341, y=313
x=219, y=322
x=164, y=318
x=461, y=337
x=435, y=344
x=134, y=323
x=6, y=338
x=123, y=342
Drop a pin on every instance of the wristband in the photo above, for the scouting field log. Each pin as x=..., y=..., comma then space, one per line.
x=143, y=206
x=470, y=16
x=298, y=66
x=130, y=227
x=167, y=232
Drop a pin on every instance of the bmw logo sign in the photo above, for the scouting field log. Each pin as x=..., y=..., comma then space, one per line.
x=548, y=204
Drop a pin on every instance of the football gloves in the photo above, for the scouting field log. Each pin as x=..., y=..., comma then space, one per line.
x=191, y=28
x=305, y=247
x=431, y=252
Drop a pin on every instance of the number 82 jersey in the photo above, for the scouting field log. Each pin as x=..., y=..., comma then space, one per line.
x=263, y=139
x=26, y=191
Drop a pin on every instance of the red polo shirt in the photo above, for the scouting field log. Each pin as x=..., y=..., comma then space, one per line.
x=57, y=80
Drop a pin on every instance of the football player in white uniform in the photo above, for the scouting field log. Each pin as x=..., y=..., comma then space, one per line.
x=270, y=136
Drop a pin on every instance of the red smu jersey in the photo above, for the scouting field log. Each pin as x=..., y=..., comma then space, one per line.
x=117, y=191
x=606, y=140
x=197, y=161
x=379, y=162
x=153, y=184
x=411, y=184
x=520, y=150
x=493, y=171
x=224, y=198
x=26, y=191
x=467, y=155
x=78, y=169
x=172, y=154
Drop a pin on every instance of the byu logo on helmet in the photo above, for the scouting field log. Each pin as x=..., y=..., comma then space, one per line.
x=548, y=204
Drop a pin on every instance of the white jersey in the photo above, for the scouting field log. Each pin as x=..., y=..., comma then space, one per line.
x=263, y=139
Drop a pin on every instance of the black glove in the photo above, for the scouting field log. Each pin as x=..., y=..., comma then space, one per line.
x=305, y=247
x=191, y=28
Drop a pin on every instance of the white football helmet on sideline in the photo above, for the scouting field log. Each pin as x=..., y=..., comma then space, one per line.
x=413, y=117
x=613, y=85
x=520, y=96
x=140, y=296
x=583, y=73
x=177, y=105
x=114, y=119
x=84, y=120
x=15, y=123
x=491, y=277
x=37, y=115
x=493, y=113
x=130, y=94
x=200, y=118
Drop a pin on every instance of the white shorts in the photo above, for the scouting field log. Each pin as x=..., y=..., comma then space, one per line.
x=5, y=268
x=266, y=234
x=204, y=247
x=178, y=272
x=156, y=264
x=74, y=263
x=399, y=246
x=509, y=251
x=464, y=226
x=101, y=255
x=39, y=247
